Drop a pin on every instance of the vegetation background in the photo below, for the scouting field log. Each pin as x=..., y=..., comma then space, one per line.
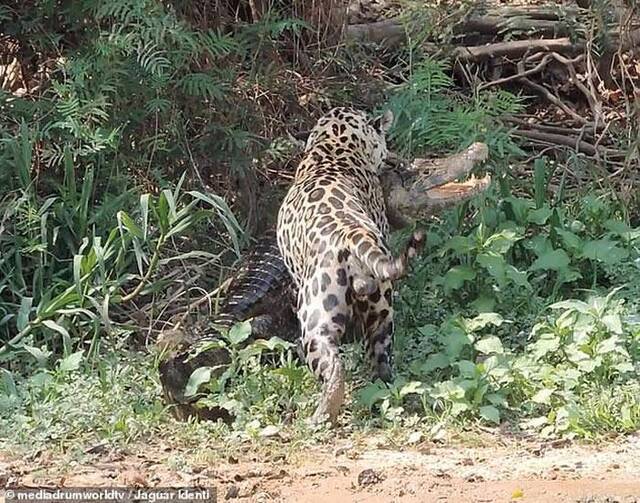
x=144, y=144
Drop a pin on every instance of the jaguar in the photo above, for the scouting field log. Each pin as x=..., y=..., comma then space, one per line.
x=332, y=232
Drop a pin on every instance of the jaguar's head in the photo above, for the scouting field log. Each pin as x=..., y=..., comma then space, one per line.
x=351, y=134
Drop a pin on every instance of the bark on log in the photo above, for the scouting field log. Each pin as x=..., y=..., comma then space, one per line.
x=540, y=21
x=518, y=48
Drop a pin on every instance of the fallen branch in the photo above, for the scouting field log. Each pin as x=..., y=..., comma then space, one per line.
x=390, y=32
x=576, y=143
x=495, y=24
x=542, y=21
x=566, y=131
x=517, y=48
x=521, y=73
x=555, y=100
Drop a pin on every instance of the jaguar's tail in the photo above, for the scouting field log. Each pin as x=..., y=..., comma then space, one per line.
x=378, y=263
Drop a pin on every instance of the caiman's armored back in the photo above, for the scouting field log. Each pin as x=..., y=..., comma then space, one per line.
x=261, y=285
x=261, y=291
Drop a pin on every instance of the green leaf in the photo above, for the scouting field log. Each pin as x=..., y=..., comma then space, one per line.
x=56, y=327
x=455, y=341
x=371, y=394
x=552, y=260
x=458, y=408
x=572, y=305
x=540, y=180
x=540, y=216
x=604, y=250
x=435, y=361
x=23, y=313
x=545, y=345
x=60, y=301
x=127, y=222
x=7, y=383
x=207, y=346
x=520, y=208
x=496, y=399
x=40, y=355
x=456, y=276
x=494, y=265
x=620, y=228
x=571, y=241
x=171, y=203
x=501, y=242
x=535, y=422
x=484, y=303
x=239, y=332
x=625, y=367
x=467, y=368
x=428, y=330
x=568, y=275
x=613, y=322
x=543, y=396
x=482, y=320
x=608, y=345
x=198, y=377
x=71, y=362
x=77, y=272
x=490, y=345
x=144, y=210
x=293, y=374
x=540, y=244
x=589, y=365
x=41, y=379
x=162, y=212
x=231, y=404
x=518, y=277
x=460, y=244
x=411, y=388
x=490, y=413
x=274, y=343
x=224, y=212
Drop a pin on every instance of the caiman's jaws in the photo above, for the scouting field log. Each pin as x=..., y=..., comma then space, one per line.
x=427, y=186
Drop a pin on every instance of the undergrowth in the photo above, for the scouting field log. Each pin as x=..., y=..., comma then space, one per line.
x=523, y=309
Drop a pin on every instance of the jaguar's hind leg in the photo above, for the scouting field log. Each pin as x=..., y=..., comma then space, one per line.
x=323, y=314
x=375, y=315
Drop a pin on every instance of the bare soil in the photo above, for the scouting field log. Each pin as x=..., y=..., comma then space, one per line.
x=369, y=472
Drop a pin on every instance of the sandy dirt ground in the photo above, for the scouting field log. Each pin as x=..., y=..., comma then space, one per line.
x=427, y=472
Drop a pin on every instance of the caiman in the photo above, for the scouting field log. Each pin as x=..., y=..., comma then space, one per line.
x=262, y=292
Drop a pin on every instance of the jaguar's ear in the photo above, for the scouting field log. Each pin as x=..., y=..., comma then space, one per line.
x=383, y=122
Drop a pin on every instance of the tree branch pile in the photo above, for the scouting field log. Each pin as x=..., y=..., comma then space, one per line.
x=579, y=60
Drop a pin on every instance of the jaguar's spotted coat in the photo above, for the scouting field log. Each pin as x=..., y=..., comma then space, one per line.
x=332, y=230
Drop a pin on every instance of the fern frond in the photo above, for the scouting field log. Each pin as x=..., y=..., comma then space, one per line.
x=120, y=11
x=202, y=85
x=5, y=13
x=218, y=45
x=153, y=60
x=157, y=105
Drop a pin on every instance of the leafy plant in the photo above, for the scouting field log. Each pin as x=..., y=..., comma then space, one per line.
x=262, y=384
x=585, y=350
x=63, y=276
x=430, y=117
